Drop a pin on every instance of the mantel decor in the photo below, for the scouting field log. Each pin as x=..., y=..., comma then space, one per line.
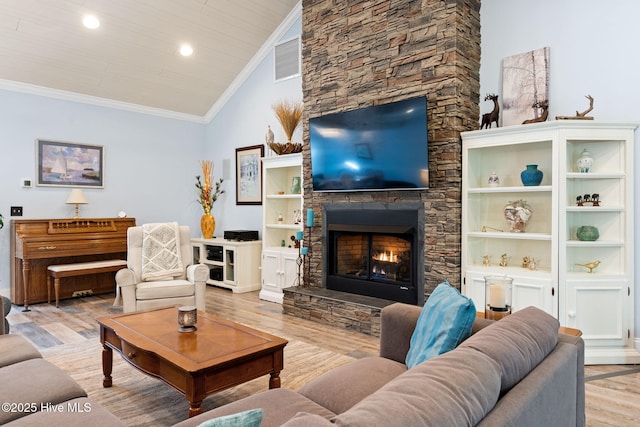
x=69, y=164
x=289, y=114
x=207, y=197
x=249, y=175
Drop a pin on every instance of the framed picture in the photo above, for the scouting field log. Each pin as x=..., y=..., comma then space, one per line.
x=69, y=164
x=249, y=175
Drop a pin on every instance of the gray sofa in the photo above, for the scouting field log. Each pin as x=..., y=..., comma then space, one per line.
x=516, y=372
x=35, y=392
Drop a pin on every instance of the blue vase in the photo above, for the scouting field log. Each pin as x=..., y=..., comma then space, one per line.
x=531, y=176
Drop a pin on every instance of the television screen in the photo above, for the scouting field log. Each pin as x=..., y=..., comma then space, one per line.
x=383, y=147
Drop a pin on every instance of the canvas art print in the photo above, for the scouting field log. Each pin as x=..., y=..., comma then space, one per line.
x=525, y=86
x=68, y=164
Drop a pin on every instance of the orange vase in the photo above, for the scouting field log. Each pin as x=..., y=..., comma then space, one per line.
x=207, y=225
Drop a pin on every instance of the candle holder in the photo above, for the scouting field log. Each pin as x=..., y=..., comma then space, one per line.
x=497, y=297
x=187, y=318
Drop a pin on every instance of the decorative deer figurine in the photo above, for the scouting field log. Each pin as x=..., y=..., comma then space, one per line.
x=545, y=112
x=494, y=115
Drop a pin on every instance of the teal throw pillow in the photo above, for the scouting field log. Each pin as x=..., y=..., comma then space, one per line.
x=250, y=418
x=444, y=322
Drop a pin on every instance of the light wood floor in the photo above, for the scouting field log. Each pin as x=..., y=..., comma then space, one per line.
x=612, y=391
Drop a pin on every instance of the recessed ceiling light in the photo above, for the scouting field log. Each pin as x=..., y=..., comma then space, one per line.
x=91, y=22
x=186, y=49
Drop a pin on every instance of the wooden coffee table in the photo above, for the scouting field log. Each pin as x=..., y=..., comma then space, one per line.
x=218, y=355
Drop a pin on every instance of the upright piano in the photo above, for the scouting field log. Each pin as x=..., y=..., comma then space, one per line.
x=39, y=243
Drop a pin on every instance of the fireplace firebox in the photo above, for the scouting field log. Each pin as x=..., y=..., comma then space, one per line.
x=375, y=251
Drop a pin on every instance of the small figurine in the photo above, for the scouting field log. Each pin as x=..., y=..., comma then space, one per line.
x=486, y=260
x=595, y=199
x=544, y=106
x=494, y=115
x=504, y=260
x=533, y=265
x=579, y=115
x=579, y=201
x=590, y=265
x=525, y=262
x=269, y=137
x=586, y=198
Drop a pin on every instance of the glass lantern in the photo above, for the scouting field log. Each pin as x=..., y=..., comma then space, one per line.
x=497, y=297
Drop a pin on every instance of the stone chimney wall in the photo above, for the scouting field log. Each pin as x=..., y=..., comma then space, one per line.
x=361, y=53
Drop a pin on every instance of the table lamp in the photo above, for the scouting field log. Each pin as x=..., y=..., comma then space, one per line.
x=76, y=197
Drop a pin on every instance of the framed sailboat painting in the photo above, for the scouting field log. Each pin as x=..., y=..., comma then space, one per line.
x=69, y=164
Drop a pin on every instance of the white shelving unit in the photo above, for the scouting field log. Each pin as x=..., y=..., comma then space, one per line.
x=233, y=265
x=600, y=303
x=282, y=218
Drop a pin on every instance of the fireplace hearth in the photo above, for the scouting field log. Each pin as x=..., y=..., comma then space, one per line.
x=375, y=250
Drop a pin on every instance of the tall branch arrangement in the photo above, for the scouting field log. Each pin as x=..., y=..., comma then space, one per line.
x=289, y=114
x=207, y=194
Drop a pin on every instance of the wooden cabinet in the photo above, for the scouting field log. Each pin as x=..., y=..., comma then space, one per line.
x=599, y=303
x=282, y=218
x=232, y=264
x=39, y=243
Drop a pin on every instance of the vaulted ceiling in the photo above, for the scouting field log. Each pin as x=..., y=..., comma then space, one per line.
x=133, y=56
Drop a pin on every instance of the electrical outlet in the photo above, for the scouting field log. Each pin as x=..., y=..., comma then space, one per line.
x=16, y=210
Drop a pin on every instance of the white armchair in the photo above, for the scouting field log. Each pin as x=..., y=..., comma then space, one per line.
x=187, y=288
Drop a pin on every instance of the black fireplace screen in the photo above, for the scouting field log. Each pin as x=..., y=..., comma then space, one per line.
x=373, y=256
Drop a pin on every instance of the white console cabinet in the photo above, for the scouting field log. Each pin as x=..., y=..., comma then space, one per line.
x=282, y=218
x=599, y=303
x=232, y=264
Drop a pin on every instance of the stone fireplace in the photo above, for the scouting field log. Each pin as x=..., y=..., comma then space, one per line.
x=357, y=54
x=375, y=251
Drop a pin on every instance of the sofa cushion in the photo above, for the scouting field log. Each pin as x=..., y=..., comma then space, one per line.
x=16, y=348
x=279, y=405
x=360, y=377
x=44, y=383
x=445, y=321
x=76, y=412
x=303, y=419
x=250, y=418
x=518, y=342
x=455, y=389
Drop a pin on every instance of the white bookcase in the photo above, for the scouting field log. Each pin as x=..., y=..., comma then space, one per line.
x=282, y=218
x=600, y=303
x=233, y=265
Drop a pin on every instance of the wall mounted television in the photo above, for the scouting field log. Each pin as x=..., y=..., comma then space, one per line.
x=383, y=147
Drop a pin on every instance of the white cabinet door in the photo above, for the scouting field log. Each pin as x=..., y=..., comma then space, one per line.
x=600, y=310
x=525, y=291
x=290, y=270
x=271, y=272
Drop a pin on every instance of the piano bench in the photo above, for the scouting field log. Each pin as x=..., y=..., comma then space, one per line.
x=79, y=269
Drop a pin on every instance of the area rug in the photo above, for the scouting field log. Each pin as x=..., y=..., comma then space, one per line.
x=140, y=400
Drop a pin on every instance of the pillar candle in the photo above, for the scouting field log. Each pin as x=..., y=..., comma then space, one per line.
x=304, y=251
x=497, y=296
x=299, y=235
x=310, y=215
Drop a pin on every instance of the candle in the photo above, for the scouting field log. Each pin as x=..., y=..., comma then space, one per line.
x=304, y=251
x=497, y=296
x=299, y=235
x=310, y=215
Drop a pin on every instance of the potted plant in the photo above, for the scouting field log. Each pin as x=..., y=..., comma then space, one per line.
x=207, y=197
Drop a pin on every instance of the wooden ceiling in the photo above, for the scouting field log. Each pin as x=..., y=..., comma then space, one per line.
x=133, y=56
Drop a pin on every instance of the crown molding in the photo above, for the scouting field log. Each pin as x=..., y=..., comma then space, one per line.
x=262, y=53
x=94, y=100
